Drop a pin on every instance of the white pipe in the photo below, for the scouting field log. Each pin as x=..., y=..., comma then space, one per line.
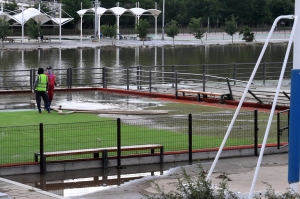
x=118, y=30
x=81, y=28
x=273, y=108
x=60, y=23
x=244, y=95
x=22, y=24
x=99, y=27
x=163, y=22
x=81, y=24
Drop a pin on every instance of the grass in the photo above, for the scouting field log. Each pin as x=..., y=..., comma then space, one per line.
x=81, y=130
x=32, y=117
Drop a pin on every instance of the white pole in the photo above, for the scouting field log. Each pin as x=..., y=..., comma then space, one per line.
x=163, y=22
x=81, y=28
x=273, y=109
x=243, y=97
x=60, y=23
x=81, y=24
x=22, y=23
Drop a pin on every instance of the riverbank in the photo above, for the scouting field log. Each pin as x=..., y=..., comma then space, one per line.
x=74, y=41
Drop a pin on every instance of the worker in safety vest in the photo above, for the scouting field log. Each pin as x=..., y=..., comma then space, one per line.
x=51, y=84
x=40, y=88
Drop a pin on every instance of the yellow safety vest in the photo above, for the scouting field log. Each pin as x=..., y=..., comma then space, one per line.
x=42, y=83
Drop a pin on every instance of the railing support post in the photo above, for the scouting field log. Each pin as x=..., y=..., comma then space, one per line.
x=173, y=70
x=127, y=78
x=42, y=157
x=104, y=77
x=235, y=72
x=150, y=81
x=176, y=94
x=190, y=139
x=255, y=133
x=204, y=77
x=119, y=143
x=278, y=130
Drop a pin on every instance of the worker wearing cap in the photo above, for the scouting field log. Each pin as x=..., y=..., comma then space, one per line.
x=40, y=89
x=51, y=84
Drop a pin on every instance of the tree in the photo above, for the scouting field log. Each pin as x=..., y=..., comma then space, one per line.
x=12, y=7
x=230, y=26
x=109, y=31
x=248, y=36
x=195, y=28
x=142, y=29
x=172, y=29
x=4, y=30
x=72, y=6
x=33, y=29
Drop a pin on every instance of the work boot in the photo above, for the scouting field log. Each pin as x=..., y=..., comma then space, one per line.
x=39, y=108
x=48, y=108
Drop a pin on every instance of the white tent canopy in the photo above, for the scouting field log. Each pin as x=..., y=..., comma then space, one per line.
x=35, y=14
x=118, y=12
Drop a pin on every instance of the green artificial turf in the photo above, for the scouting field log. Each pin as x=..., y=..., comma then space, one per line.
x=19, y=131
x=32, y=117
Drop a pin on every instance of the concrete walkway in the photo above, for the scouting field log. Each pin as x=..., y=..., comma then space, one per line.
x=239, y=172
x=74, y=41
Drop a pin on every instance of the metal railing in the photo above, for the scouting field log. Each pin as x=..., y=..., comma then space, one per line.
x=185, y=133
x=283, y=119
x=143, y=76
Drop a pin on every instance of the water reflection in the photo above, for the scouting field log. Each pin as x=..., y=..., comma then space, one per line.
x=74, y=183
x=95, y=100
x=129, y=57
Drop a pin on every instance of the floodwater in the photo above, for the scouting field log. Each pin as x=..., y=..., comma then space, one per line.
x=123, y=57
x=75, y=183
x=88, y=100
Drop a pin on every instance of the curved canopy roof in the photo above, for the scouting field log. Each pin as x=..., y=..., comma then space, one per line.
x=31, y=13
x=5, y=16
x=35, y=14
x=118, y=11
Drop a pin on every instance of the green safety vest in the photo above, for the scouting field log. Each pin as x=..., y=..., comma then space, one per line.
x=42, y=83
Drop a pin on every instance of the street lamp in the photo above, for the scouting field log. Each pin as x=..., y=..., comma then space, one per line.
x=163, y=22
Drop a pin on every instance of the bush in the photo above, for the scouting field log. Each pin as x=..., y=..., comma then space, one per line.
x=195, y=186
x=248, y=36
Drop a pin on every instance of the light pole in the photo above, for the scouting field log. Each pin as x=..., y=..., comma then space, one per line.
x=163, y=22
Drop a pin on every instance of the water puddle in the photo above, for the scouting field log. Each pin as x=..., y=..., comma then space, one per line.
x=90, y=100
x=77, y=183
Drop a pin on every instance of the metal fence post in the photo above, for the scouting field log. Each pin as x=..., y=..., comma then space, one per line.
x=235, y=72
x=103, y=77
x=255, y=133
x=173, y=70
x=32, y=79
x=71, y=77
x=140, y=78
x=137, y=76
x=127, y=78
x=42, y=157
x=278, y=130
x=150, y=83
x=204, y=77
x=176, y=94
x=190, y=138
x=229, y=88
x=119, y=143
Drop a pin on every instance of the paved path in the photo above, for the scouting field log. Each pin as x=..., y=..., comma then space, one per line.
x=181, y=39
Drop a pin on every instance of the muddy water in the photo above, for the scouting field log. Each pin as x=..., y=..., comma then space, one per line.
x=90, y=100
x=75, y=183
